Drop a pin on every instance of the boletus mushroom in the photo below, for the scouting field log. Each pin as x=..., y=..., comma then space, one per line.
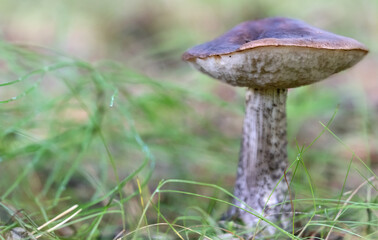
x=268, y=56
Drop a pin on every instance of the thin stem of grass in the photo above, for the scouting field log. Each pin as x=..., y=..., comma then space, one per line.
x=350, y=150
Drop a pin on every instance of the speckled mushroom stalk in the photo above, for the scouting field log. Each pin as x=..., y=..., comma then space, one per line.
x=268, y=56
x=263, y=157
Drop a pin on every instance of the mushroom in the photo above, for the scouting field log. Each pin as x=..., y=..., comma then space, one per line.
x=268, y=56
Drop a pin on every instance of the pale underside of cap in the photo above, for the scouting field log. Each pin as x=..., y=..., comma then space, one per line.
x=277, y=67
x=279, y=53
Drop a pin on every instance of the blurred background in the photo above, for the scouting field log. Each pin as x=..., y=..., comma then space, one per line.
x=101, y=94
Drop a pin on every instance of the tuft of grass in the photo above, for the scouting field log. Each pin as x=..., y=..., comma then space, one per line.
x=70, y=135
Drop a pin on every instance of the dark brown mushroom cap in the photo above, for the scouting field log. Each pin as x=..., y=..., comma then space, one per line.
x=275, y=53
x=271, y=32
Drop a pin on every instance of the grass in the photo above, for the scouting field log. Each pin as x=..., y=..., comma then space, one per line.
x=86, y=127
x=93, y=144
x=144, y=148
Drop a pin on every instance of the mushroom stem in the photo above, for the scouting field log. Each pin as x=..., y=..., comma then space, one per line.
x=263, y=158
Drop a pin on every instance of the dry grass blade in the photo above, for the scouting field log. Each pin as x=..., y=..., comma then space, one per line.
x=56, y=218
